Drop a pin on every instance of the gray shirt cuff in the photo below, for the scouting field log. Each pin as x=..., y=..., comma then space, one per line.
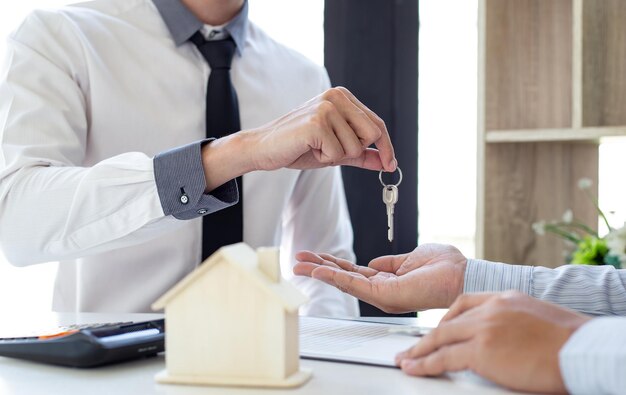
x=485, y=276
x=180, y=182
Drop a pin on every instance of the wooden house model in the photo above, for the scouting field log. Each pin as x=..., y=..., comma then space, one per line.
x=233, y=321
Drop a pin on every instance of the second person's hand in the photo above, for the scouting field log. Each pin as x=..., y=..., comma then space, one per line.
x=509, y=338
x=431, y=276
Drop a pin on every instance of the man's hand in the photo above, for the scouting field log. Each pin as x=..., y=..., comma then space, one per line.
x=429, y=277
x=334, y=128
x=509, y=338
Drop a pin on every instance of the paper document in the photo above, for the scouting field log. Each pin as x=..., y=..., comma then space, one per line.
x=352, y=341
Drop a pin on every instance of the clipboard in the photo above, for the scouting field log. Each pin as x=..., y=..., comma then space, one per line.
x=354, y=341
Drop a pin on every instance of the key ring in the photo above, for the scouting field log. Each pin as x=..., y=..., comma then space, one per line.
x=380, y=177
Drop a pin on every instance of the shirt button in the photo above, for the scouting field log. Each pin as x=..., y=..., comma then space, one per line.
x=203, y=211
x=184, y=199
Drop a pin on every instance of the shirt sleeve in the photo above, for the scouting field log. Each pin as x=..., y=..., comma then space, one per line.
x=52, y=206
x=596, y=290
x=485, y=276
x=180, y=182
x=593, y=360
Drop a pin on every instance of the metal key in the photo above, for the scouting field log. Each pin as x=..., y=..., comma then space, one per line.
x=390, y=197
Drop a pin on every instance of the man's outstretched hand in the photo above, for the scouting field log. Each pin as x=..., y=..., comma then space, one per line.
x=431, y=276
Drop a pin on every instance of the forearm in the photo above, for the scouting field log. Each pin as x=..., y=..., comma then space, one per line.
x=589, y=289
x=229, y=157
x=63, y=212
x=595, y=290
x=59, y=212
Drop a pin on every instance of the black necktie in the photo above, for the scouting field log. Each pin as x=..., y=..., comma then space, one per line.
x=222, y=118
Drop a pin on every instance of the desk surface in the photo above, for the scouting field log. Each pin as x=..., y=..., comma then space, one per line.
x=137, y=377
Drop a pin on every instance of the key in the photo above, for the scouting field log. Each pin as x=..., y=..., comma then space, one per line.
x=390, y=198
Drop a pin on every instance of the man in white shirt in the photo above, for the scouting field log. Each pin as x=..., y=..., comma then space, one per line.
x=104, y=164
x=523, y=327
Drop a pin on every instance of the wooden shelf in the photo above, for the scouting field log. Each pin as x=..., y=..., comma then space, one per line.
x=603, y=62
x=528, y=64
x=551, y=86
x=530, y=182
x=543, y=135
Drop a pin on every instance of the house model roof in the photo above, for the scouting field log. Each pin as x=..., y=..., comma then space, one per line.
x=243, y=258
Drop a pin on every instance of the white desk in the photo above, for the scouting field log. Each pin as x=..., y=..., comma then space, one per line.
x=137, y=377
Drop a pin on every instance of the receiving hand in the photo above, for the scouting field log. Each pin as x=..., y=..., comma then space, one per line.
x=429, y=277
x=509, y=338
x=334, y=128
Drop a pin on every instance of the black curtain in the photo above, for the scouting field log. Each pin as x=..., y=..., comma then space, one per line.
x=371, y=48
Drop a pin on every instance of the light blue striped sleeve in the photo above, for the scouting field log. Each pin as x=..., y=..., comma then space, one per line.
x=485, y=276
x=593, y=360
x=596, y=290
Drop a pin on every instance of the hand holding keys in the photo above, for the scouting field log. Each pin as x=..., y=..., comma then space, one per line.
x=390, y=198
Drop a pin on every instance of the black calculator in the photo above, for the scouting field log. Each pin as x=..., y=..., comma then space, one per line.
x=89, y=345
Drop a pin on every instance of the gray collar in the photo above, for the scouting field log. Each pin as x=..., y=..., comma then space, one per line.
x=182, y=23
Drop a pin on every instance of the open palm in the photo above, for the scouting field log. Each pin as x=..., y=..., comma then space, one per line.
x=431, y=276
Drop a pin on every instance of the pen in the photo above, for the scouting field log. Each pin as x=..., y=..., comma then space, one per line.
x=410, y=330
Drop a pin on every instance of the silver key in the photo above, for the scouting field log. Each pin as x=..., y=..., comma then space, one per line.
x=390, y=198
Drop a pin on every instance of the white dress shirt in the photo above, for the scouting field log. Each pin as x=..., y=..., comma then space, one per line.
x=593, y=360
x=89, y=94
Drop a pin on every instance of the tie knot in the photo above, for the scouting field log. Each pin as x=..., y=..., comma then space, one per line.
x=218, y=53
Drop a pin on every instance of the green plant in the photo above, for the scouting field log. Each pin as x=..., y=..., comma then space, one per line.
x=589, y=248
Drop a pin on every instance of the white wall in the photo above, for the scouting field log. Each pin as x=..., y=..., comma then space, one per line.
x=611, y=185
x=296, y=24
x=447, y=122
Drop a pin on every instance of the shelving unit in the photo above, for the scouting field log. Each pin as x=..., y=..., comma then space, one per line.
x=552, y=83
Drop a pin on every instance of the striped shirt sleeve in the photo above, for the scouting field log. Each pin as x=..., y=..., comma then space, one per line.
x=593, y=360
x=485, y=276
x=596, y=290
